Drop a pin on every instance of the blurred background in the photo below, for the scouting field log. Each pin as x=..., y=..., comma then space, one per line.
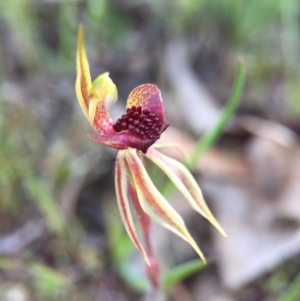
x=60, y=232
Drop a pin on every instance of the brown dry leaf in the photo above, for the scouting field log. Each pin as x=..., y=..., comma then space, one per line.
x=187, y=88
x=209, y=288
x=259, y=211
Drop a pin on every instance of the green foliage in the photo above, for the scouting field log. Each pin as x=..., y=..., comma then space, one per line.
x=67, y=29
x=107, y=24
x=18, y=14
x=47, y=280
x=17, y=168
x=181, y=272
x=40, y=195
x=293, y=291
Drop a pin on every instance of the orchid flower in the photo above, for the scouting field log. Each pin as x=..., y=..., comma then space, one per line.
x=133, y=134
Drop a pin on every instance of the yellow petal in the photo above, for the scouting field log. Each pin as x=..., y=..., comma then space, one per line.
x=83, y=79
x=121, y=179
x=185, y=183
x=154, y=204
x=105, y=94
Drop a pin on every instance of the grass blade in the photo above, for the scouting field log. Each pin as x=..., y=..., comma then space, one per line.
x=212, y=135
x=293, y=292
x=181, y=272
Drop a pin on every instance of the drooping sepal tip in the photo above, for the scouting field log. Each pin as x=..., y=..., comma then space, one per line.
x=154, y=204
x=185, y=183
x=121, y=182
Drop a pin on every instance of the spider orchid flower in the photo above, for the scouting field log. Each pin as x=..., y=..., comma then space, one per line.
x=133, y=134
